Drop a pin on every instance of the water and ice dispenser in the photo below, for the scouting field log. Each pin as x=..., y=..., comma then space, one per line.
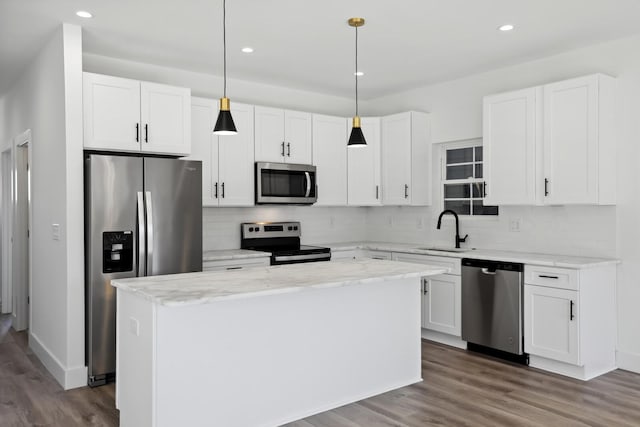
x=117, y=251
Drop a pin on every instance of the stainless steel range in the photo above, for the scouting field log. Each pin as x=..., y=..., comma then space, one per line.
x=282, y=239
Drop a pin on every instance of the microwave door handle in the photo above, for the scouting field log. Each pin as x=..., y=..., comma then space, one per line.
x=149, y=233
x=141, y=237
x=306, y=175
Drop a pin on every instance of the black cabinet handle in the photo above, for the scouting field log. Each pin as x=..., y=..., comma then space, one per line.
x=216, y=187
x=571, y=316
x=288, y=149
x=544, y=276
x=546, y=187
x=406, y=191
x=424, y=287
x=485, y=189
x=282, y=148
x=377, y=191
x=137, y=132
x=146, y=133
x=234, y=268
x=223, y=190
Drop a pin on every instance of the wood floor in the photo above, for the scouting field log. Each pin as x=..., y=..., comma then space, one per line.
x=459, y=389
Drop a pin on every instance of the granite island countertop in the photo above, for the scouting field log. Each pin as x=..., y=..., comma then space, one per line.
x=206, y=287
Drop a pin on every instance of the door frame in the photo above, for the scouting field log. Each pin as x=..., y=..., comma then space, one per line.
x=21, y=258
x=6, y=177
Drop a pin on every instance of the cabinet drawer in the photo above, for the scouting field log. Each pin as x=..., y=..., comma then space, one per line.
x=453, y=264
x=551, y=277
x=234, y=264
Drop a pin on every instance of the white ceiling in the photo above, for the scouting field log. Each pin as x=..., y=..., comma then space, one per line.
x=308, y=45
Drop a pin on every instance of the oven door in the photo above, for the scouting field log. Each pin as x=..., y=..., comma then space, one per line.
x=285, y=183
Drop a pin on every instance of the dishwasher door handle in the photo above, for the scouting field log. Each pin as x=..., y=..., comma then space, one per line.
x=486, y=271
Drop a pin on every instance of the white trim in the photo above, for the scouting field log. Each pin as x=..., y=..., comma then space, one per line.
x=68, y=378
x=443, y=338
x=628, y=361
x=6, y=212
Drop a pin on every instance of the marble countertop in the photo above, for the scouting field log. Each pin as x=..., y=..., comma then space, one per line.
x=549, y=260
x=206, y=287
x=227, y=254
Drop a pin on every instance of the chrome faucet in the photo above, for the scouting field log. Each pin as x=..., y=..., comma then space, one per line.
x=458, y=238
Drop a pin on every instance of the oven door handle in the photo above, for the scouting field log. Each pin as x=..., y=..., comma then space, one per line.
x=301, y=257
x=308, y=177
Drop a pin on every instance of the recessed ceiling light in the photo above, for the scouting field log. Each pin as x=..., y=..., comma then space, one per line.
x=358, y=73
x=247, y=49
x=506, y=27
x=84, y=14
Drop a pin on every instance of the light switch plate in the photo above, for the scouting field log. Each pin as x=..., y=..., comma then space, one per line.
x=515, y=224
x=134, y=326
x=55, y=231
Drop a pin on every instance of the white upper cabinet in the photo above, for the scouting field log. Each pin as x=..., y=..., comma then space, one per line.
x=128, y=115
x=552, y=144
x=364, y=176
x=165, y=113
x=227, y=161
x=111, y=113
x=511, y=149
x=579, y=143
x=330, y=159
x=406, y=159
x=235, y=160
x=282, y=136
x=203, y=144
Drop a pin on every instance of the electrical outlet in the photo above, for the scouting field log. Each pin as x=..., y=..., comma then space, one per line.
x=134, y=326
x=420, y=223
x=515, y=224
x=55, y=231
x=390, y=221
x=332, y=221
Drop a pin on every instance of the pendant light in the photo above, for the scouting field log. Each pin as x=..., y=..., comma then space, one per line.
x=224, y=124
x=356, y=139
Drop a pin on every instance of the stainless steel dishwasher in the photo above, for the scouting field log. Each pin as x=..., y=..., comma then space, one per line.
x=492, y=319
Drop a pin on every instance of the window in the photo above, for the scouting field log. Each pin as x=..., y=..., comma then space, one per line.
x=462, y=183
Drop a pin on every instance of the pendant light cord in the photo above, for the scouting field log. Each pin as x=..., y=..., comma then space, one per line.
x=224, y=43
x=356, y=73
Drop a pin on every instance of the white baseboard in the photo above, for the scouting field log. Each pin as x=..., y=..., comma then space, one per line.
x=68, y=378
x=442, y=338
x=628, y=361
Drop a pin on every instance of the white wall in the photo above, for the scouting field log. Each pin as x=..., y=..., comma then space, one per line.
x=47, y=99
x=210, y=86
x=456, y=108
x=221, y=226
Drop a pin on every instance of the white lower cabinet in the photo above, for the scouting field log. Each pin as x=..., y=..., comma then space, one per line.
x=551, y=323
x=441, y=299
x=441, y=304
x=570, y=319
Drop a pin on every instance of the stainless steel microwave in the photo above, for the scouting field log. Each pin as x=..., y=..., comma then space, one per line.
x=285, y=183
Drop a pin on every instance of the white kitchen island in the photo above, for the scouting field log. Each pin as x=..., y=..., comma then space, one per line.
x=267, y=345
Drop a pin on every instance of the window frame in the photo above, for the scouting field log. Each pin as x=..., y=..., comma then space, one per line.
x=453, y=145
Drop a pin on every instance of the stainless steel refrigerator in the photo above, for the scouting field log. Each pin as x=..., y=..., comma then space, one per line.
x=143, y=217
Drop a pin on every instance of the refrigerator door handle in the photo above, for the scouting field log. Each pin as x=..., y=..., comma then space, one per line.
x=149, y=230
x=141, y=237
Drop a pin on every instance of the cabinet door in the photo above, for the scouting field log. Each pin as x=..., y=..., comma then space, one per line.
x=510, y=147
x=235, y=160
x=571, y=141
x=166, y=119
x=363, y=169
x=551, y=319
x=441, y=304
x=204, y=146
x=396, y=159
x=269, y=134
x=111, y=113
x=330, y=157
x=297, y=136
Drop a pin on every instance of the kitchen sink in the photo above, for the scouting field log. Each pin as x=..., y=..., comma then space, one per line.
x=445, y=249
